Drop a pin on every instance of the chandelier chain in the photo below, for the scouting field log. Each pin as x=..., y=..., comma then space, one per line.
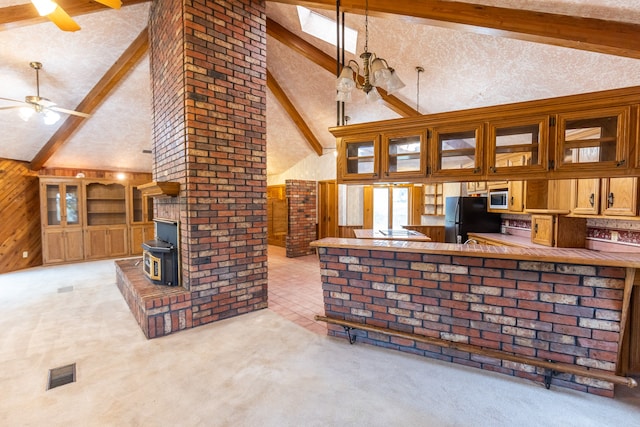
x=366, y=26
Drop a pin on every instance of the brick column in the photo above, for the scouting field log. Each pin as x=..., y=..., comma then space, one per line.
x=208, y=66
x=301, y=198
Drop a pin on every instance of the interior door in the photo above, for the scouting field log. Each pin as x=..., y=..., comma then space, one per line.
x=328, y=209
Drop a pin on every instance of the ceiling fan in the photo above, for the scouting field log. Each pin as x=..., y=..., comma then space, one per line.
x=58, y=16
x=37, y=104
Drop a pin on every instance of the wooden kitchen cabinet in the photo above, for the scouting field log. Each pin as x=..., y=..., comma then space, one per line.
x=592, y=140
x=517, y=146
x=620, y=196
x=585, y=196
x=359, y=158
x=605, y=197
x=457, y=151
x=558, y=230
x=404, y=155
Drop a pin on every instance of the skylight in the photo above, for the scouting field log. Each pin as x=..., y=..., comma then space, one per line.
x=325, y=29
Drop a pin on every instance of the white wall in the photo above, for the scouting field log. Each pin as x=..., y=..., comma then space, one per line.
x=311, y=168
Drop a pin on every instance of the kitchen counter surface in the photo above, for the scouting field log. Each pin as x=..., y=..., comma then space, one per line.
x=538, y=253
x=509, y=240
x=409, y=235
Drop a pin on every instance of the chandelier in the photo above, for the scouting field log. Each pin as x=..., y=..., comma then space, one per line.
x=376, y=73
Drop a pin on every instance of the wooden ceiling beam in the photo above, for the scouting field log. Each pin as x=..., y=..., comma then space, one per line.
x=591, y=34
x=129, y=58
x=327, y=62
x=25, y=14
x=292, y=111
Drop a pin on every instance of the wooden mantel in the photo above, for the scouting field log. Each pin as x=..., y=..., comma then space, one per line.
x=160, y=189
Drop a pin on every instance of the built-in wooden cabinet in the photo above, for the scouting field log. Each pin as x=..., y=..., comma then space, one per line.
x=518, y=146
x=558, y=230
x=620, y=196
x=606, y=197
x=456, y=151
x=106, y=241
x=62, y=245
x=359, y=158
x=575, y=137
x=92, y=219
x=62, y=206
x=404, y=154
x=592, y=140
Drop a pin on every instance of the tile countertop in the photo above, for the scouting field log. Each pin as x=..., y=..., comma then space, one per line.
x=509, y=240
x=535, y=254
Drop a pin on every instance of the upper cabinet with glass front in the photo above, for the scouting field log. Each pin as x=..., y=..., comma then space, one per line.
x=457, y=151
x=61, y=204
x=359, y=157
x=404, y=155
x=593, y=140
x=517, y=146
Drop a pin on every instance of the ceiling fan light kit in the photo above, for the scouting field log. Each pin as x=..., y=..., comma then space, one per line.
x=38, y=104
x=376, y=73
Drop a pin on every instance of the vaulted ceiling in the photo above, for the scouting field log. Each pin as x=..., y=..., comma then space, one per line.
x=504, y=51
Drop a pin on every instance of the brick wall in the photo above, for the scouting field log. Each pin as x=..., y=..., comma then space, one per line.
x=208, y=65
x=560, y=312
x=301, y=198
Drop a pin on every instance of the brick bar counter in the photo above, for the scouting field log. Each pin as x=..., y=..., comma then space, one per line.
x=568, y=306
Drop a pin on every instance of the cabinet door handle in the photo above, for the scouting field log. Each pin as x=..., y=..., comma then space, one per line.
x=476, y=170
x=610, y=199
x=511, y=201
x=592, y=199
x=535, y=228
x=620, y=163
x=493, y=169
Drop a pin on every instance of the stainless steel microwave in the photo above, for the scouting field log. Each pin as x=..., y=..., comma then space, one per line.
x=499, y=199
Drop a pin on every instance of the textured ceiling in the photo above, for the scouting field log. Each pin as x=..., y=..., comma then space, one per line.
x=462, y=70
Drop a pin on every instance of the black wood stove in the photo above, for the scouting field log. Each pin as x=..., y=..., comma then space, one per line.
x=160, y=256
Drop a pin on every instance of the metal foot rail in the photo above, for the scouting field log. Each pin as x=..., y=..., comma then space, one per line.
x=551, y=367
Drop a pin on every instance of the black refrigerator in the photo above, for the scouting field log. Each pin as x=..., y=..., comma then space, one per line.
x=468, y=214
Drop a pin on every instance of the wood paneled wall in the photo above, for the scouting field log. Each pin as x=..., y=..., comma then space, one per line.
x=19, y=217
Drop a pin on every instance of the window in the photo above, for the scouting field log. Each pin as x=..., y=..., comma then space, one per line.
x=324, y=28
x=390, y=207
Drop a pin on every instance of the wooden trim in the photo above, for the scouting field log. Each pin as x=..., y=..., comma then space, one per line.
x=591, y=34
x=293, y=113
x=95, y=97
x=629, y=282
x=496, y=354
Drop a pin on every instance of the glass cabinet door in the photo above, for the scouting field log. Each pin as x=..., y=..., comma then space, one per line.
x=71, y=203
x=141, y=206
x=518, y=146
x=62, y=204
x=54, y=204
x=404, y=155
x=596, y=139
x=457, y=151
x=360, y=157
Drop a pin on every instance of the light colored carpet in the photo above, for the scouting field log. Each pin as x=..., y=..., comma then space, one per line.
x=256, y=370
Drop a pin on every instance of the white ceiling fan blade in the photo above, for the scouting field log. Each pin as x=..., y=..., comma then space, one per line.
x=12, y=100
x=72, y=112
x=14, y=107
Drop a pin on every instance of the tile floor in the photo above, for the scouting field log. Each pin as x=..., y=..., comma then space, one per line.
x=295, y=291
